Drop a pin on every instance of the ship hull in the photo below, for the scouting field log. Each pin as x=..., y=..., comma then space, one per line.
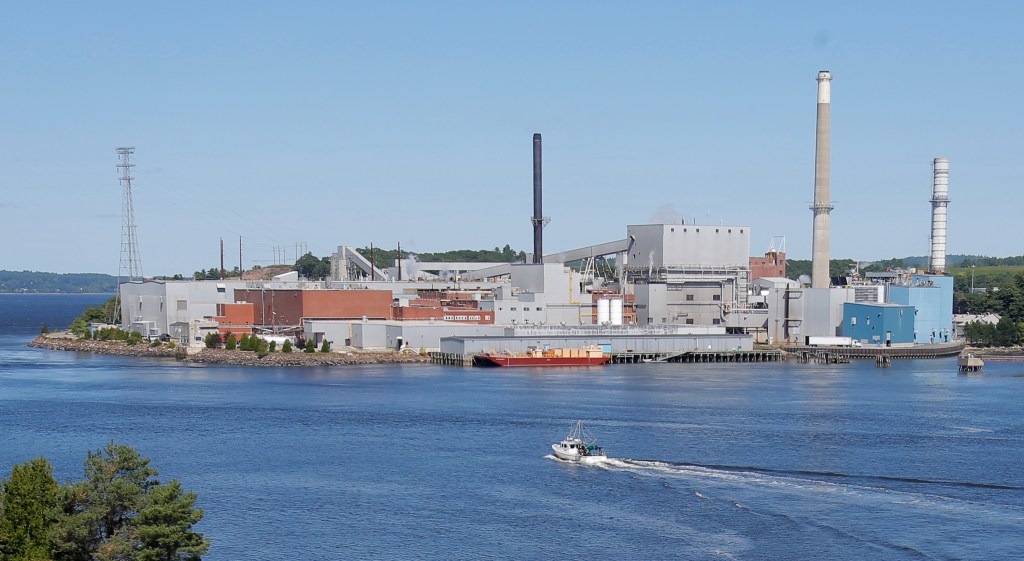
x=520, y=361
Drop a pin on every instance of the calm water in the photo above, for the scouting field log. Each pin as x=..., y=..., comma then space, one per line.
x=764, y=461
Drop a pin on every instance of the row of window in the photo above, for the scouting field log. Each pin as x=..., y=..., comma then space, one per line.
x=688, y=321
x=714, y=297
x=717, y=230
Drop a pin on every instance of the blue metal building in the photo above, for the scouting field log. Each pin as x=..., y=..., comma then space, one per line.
x=932, y=297
x=878, y=324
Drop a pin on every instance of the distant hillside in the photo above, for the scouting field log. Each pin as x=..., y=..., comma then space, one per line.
x=33, y=281
x=842, y=267
x=496, y=255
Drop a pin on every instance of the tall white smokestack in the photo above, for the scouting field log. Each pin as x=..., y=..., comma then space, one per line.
x=819, y=249
x=940, y=199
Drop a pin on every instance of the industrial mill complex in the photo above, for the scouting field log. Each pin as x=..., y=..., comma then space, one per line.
x=675, y=289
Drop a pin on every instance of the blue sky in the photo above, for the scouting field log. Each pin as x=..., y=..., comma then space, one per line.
x=336, y=123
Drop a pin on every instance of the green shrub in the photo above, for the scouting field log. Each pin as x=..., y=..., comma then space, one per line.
x=287, y=347
x=43, y=329
x=154, y=343
x=230, y=343
x=325, y=347
x=134, y=338
x=273, y=346
x=170, y=344
x=212, y=340
x=310, y=347
x=80, y=328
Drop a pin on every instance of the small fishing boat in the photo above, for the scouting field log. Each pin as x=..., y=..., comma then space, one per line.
x=579, y=446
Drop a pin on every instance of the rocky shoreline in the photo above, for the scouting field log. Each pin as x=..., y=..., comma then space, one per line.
x=221, y=356
x=1012, y=354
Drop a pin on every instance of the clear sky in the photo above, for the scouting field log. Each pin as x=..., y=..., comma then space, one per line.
x=333, y=123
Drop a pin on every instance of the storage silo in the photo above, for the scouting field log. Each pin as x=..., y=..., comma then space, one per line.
x=603, y=311
x=616, y=311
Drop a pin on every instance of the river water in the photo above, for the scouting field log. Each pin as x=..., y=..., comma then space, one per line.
x=732, y=461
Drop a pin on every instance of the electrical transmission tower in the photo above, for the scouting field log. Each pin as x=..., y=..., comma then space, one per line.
x=131, y=263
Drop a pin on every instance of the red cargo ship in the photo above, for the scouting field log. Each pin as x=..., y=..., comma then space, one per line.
x=587, y=356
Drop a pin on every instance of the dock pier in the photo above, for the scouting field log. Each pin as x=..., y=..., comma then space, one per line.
x=968, y=363
x=634, y=357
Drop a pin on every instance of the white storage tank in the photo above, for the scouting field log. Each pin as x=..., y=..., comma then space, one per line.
x=603, y=311
x=616, y=311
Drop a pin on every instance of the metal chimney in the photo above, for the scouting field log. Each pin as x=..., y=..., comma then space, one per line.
x=821, y=208
x=940, y=199
x=538, y=211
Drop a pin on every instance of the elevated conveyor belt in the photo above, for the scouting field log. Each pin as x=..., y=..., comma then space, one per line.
x=598, y=250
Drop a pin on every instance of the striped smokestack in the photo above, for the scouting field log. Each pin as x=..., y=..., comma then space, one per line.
x=940, y=199
x=822, y=207
x=538, y=210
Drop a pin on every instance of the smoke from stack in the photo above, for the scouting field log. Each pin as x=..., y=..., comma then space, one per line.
x=822, y=207
x=538, y=211
x=940, y=199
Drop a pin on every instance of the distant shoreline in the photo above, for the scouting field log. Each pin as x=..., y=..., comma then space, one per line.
x=59, y=293
x=62, y=342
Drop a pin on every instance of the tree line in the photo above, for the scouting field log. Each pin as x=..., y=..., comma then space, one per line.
x=120, y=511
x=55, y=283
x=1007, y=300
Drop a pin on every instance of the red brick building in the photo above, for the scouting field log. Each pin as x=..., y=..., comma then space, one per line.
x=773, y=264
x=237, y=318
x=291, y=306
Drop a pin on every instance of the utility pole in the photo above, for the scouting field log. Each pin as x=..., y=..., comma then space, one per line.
x=240, y=268
x=222, y=259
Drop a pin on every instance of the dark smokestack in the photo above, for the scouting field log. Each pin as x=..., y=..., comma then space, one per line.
x=538, y=210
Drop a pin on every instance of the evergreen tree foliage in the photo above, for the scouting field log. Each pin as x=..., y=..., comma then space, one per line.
x=121, y=512
x=310, y=347
x=28, y=509
x=325, y=347
x=116, y=478
x=230, y=343
x=287, y=347
x=164, y=525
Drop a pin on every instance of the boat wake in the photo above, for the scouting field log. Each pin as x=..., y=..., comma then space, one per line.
x=727, y=472
x=846, y=478
x=844, y=505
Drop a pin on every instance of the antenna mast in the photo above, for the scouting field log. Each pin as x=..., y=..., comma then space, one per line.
x=130, y=268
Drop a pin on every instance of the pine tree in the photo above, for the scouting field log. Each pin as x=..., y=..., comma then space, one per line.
x=164, y=525
x=29, y=501
x=120, y=512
